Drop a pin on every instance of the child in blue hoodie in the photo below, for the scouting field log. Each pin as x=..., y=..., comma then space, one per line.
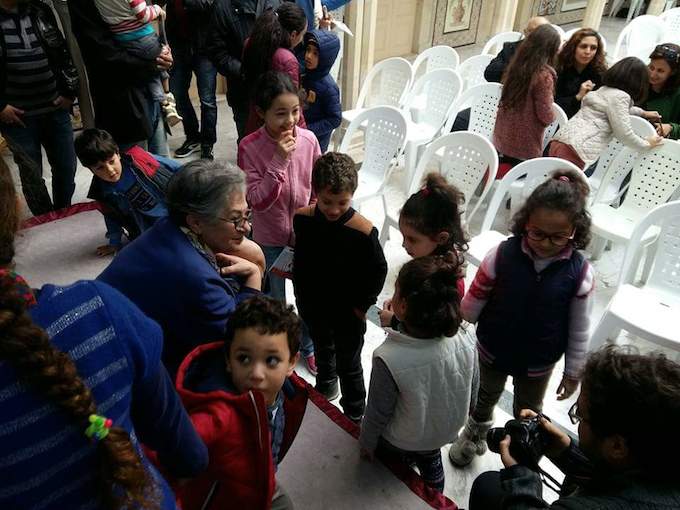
x=323, y=112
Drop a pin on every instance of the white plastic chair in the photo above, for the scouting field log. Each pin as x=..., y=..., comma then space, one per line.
x=560, y=30
x=671, y=20
x=392, y=78
x=639, y=38
x=483, y=103
x=569, y=33
x=654, y=180
x=464, y=160
x=436, y=93
x=619, y=159
x=472, y=70
x=384, y=130
x=494, y=45
x=650, y=311
x=560, y=121
x=436, y=57
x=533, y=172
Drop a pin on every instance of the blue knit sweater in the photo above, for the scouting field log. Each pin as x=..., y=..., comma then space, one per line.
x=46, y=461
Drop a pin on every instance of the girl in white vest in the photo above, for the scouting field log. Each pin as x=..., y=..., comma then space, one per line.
x=425, y=375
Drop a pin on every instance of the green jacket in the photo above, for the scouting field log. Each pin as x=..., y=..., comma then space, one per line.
x=668, y=106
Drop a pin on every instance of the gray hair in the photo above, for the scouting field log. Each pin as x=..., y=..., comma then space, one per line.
x=203, y=188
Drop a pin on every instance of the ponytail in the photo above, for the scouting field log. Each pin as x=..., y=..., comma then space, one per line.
x=9, y=215
x=123, y=480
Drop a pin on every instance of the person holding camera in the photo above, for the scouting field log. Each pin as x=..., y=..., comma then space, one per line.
x=626, y=457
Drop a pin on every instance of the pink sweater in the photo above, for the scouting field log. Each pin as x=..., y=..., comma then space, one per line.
x=277, y=187
x=519, y=132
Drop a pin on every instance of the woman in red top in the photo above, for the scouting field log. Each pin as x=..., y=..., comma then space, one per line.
x=525, y=108
x=269, y=48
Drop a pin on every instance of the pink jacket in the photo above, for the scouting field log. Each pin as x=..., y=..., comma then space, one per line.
x=519, y=132
x=277, y=187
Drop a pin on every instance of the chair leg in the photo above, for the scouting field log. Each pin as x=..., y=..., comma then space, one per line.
x=607, y=330
x=410, y=158
x=338, y=135
x=596, y=247
x=385, y=230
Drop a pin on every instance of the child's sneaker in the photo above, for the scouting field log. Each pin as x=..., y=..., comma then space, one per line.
x=170, y=113
x=310, y=361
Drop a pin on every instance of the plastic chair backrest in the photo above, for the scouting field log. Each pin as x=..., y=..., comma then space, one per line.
x=534, y=171
x=671, y=19
x=440, y=89
x=569, y=33
x=665, y=272
x=483, y=103
x=619, y=158
x=494, y=45
x=467, y=159
x=560, y=30
x=384, y=138
x=472, y=70
x=560, y=121
x=392, y=77
x=654, y=179
x=639, y=37
x=436, y=57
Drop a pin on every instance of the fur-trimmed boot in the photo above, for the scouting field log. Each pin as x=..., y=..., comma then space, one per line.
x=470, y=442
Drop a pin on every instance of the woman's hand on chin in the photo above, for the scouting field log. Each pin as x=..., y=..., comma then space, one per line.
x=231, y=265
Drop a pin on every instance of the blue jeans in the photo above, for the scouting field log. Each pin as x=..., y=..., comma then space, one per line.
x=158, y=143
x=52, y=131
x=185, y=62
x=277, y=290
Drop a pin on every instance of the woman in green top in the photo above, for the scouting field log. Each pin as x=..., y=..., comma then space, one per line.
x=664, y=89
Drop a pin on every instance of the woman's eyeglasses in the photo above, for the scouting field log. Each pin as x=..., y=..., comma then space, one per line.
x=239, y=222
x=555, y=239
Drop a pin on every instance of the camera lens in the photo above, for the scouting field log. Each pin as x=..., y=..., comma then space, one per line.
x=494, y=437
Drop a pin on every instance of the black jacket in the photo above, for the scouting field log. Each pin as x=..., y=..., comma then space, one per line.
x=494, y=71
x=118, y=80
x=569, y=83
x=232, y=22
x=188, y=22
x=54, y=45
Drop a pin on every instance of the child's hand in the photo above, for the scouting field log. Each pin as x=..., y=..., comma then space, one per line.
x=385, y=317
x=286, y=144
x=663, y=130
x=107, y=249
x=654, y=141
x=366, y=455
x=586, y=87
x=566, y=388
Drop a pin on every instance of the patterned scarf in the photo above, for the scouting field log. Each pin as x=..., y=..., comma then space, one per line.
x=19, y=285
x=200, y=247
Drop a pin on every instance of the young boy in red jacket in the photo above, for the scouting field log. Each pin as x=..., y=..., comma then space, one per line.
x=247, y=405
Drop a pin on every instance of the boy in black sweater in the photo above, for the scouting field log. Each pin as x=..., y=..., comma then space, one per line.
x=338, y=271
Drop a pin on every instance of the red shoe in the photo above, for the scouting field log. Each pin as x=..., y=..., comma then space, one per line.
x=311, y=364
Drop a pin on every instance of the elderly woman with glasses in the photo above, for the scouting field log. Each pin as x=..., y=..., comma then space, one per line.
x=664, y=89
x=186, y=272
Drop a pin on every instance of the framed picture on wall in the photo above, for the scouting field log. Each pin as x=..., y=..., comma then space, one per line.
x=456, y=22
x=572, y=5
x=458, y=14
x=547, y=7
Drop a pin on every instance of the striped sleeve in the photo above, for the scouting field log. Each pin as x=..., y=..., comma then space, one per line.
x=478, y=293
x=144, y=13
x=579, y=325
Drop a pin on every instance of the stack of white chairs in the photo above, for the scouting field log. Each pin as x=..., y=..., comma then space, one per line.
x=639, y=37
x=466, y=160
x=651, y=310
x=654, y=180
x=533, y=172
x=472, y=70
x=495, y=44
x=384, y=131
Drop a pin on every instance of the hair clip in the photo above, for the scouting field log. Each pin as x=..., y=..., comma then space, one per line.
x=99, y=427
x=564, y=178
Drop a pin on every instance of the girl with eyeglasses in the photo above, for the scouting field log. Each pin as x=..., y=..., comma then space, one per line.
x=531, y=299
x=664, y=89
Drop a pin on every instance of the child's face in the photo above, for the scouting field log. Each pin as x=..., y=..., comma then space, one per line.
x=311, y=57
x=260, y=362
x=418, y=244
x=283, y=114
x=108, y=170
x=333, y=205
x=545, y=222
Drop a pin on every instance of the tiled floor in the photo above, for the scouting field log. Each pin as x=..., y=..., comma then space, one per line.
x=458, y=480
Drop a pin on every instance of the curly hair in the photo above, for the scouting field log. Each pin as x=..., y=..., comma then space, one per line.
x=435, y=208
x=40, y=366
x=536, y=52
x=565, y=59
x=9, y=215
x=335, y=171
x=630, y=75
x=661, y=52
x=564, y=191
x=636, y=396
x=272, y=30
x=268, y=316
x=428, y=284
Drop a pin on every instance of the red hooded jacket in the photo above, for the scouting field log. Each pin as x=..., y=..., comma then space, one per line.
x=235, y=428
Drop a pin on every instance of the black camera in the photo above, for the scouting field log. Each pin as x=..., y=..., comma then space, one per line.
x=527, y=440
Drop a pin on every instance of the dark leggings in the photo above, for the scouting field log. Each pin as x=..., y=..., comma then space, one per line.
x=429, y=463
